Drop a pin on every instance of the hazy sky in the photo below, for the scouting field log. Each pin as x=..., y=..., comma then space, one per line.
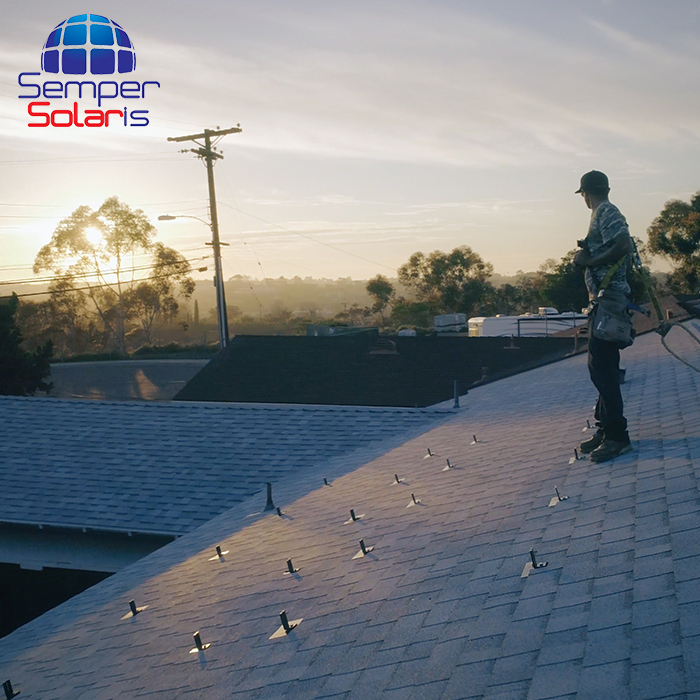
x=371, y=130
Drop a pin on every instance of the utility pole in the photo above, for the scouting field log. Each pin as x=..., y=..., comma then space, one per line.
x=208, y=153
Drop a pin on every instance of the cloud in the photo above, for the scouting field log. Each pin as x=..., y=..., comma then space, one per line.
x=433, y=85
x=443, y=87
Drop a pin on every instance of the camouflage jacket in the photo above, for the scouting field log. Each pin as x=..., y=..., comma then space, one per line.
x=607, y=223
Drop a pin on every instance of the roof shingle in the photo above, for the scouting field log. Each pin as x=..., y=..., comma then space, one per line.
x=439, y=609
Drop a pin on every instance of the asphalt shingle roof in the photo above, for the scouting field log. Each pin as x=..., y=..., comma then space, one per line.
x=168, y=467
x=439, y=608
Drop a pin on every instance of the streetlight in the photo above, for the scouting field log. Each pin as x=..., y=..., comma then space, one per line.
x=218, y=275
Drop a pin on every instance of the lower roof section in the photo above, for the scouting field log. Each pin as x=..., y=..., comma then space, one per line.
x=166, y=468
x=36, y=548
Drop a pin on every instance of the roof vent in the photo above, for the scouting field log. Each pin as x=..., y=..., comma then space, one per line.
x=384, y=346
x=269, y=505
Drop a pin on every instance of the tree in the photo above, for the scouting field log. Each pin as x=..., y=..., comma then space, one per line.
x=63, y=319
x=21, y=372
x=675, y=235
x=455, y=281
x=157, y=298
x=522, y=297
x=382, y=292
x=562, y=284
x=413, y=313
x=101, y=258
x=354, y=315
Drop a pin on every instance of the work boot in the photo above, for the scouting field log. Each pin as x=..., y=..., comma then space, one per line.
x=610, y=449
x=587, y=446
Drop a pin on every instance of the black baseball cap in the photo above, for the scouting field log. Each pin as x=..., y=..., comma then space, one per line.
x=593, y=182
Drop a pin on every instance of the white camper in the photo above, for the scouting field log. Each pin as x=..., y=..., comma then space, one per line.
x=547, y=322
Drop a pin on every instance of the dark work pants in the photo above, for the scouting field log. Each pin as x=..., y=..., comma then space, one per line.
x=604, y=368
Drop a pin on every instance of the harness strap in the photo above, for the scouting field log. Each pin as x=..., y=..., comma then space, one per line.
x=611, y=272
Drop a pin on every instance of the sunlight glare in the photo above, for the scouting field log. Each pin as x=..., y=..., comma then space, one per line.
x=94, y=236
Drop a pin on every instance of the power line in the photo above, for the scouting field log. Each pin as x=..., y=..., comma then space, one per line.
x=78, y=289
x=143, y=204
x=250, y=286
x=311, y=238
x=90, y=160
x=87, y=275
x=7, y=204
x=8, y=268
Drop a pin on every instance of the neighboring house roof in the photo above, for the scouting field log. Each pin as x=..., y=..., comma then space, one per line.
x=362, y=369
x=439, y=608
x=122, y=380
x=167, y=468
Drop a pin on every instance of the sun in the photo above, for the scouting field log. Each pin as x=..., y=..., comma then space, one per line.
x=94, y=236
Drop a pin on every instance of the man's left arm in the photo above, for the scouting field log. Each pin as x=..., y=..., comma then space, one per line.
x=622, y=246
x=613, y=228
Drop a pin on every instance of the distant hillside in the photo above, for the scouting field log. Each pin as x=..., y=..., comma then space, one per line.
x=308, y=296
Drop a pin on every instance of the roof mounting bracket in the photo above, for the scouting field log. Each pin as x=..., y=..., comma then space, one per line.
x=557, y=498
x=353, y=518
x=286, y=627
x=532, y=564
x=414, y=501
x=219, y=556
x=364, y=550
x=576, y=457
x=133, y=610
x=290, y=568
x=9, y=692
x=199, y=647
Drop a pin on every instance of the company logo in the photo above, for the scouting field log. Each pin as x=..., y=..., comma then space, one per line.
x=85, y=42
x=86, y=45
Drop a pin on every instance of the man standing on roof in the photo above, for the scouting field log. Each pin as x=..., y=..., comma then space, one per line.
x=605, y=256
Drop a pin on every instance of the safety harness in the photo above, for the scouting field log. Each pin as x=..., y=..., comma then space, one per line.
x=665, y=325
